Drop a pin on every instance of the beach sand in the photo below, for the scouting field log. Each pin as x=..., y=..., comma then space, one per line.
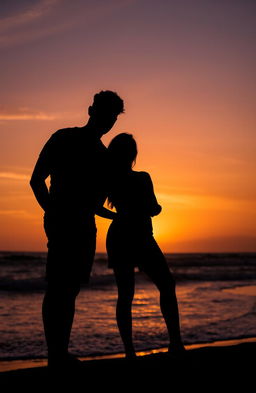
x=217, y=368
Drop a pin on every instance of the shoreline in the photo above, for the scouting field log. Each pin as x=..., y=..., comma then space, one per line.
x=20, y=364
x=215, y=368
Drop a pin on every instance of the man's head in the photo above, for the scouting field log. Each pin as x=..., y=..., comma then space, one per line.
x=107, y=105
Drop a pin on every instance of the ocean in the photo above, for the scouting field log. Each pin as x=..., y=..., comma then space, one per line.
x=216, y=294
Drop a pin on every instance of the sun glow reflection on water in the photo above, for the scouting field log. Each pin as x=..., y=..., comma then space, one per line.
x=249, y=290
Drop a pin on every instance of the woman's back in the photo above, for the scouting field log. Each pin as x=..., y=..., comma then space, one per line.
x=133, y=196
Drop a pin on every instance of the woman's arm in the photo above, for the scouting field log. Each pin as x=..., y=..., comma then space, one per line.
x=156, y=210
x=153, y=205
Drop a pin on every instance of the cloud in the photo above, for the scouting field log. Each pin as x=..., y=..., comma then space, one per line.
x=236, y=243
x=207, y=202
x=175, y=199
x=17, y=213
x=31, y=23
x=36, y=116
x=24, y=113
x=14, y=176
x=12, y=212
x=48, y=17
x=37, y=11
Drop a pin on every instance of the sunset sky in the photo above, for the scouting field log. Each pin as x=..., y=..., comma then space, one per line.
x=186, y=71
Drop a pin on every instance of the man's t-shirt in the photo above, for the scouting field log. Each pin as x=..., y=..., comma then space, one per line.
x=76, y=161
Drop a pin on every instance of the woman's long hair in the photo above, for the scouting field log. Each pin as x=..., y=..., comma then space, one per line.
x=122, y=153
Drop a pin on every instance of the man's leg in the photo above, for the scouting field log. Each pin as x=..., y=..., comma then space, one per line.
x=71, y=248
x=58, y=313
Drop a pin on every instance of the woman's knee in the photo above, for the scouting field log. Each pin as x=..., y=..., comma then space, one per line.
x=125, y=297
x=172, y=281
x=125, y=284
x=167, y=285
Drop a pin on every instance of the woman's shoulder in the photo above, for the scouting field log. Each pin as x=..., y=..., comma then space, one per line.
x=142, y=176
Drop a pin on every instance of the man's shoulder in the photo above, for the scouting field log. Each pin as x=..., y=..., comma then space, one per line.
x=74, y=136
x=64, y=132
x=62, y=136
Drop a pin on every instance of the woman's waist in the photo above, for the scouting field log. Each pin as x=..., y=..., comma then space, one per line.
x=132, y=217
x=132, y=223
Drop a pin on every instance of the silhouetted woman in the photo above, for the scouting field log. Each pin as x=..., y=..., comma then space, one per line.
x=130, y=242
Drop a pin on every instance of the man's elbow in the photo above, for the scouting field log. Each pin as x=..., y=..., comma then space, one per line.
x=34, y=182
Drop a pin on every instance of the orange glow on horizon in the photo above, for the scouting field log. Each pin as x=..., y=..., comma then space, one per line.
x=198, y=205
x=187, y=77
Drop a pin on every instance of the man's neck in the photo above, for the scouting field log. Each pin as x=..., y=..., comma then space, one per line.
x=91, y=129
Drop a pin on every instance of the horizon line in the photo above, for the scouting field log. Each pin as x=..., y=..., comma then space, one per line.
x=164, y=252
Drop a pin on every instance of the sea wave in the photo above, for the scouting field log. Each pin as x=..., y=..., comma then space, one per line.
x=26, y=271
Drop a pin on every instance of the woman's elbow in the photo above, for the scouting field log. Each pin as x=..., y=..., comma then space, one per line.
x=156, y=210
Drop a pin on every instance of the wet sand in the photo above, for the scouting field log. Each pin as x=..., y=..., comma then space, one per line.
x=218, y=368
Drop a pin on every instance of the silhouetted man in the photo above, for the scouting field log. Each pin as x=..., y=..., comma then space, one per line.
x=76, y=161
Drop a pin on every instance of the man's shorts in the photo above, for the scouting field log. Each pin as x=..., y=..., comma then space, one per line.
x=71, y=247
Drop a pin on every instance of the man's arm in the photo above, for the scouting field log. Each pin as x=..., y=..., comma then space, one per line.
x=40, y=190
x=105, y=213
x=39, y=175
x=102, y=211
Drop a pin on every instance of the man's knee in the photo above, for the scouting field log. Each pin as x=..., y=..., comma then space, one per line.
x=63, y=290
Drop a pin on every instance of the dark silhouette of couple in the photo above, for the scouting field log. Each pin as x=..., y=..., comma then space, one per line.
x=84, y=173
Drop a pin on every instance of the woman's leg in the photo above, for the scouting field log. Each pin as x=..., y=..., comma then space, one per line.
x=125, y=284
x=158, y=271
